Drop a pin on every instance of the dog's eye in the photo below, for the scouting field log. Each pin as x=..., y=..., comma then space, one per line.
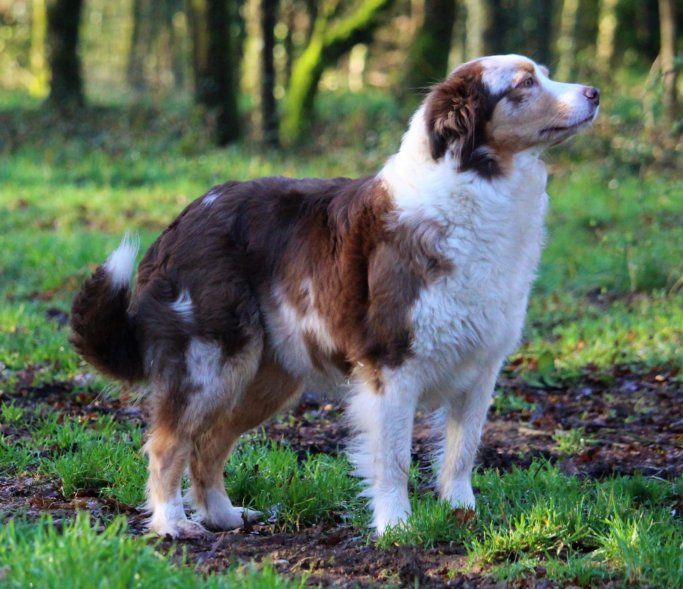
x=526, y=83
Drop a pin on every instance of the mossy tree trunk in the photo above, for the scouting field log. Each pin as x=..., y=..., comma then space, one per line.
x=607, y=29
x=140, y=44
x=667, y=54
x=39, y=73
x=269, y=10
x=215, y=65
x=330, y=38
x=63, y=26
x=487, y=24
x=428, y=56
x=566, y=42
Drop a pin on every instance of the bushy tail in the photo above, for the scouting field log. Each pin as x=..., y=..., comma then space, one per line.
x=102, y=330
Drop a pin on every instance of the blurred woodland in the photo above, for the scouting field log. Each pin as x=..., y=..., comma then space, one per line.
x=255, y=67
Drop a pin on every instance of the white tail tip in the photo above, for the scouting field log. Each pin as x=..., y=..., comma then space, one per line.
x=121, y=261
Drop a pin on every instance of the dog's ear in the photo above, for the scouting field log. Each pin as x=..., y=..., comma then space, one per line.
x=454, y=112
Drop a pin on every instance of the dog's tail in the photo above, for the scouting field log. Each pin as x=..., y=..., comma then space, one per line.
x=103, y=331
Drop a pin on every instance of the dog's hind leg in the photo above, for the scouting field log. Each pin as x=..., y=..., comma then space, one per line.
x=271, y=388
x=210, y=450
x=168, y=450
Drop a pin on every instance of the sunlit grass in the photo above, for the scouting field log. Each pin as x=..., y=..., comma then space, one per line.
x=82, y=555
x=620, y=528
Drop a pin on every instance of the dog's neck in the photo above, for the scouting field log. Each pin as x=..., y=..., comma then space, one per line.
x=426, y=187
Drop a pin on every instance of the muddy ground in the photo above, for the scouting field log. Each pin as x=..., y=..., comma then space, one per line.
x=633, y=424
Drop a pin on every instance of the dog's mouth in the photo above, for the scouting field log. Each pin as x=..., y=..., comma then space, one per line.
x=570, y=129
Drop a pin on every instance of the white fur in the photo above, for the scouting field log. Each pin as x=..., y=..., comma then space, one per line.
x=499, y=71
x=121, y=262
x=211, y=197
x=219, y=512
x=288, y=328
x=380, y=451
x=463, y=324
x=219, y=384
x=183, y=305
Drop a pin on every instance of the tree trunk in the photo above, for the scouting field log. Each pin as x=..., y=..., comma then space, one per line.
x=176, y=44
x=139, y=45
x=487, y=24
x=39, y=73
x=566, y=42
x=329, y=40
x=63, y=23
x=269, y=9
x=545, y=10
x=215, y=67
x=667, y=28
x=604, y=44
x=539, y=36
x=428, y=56
x=477, y=19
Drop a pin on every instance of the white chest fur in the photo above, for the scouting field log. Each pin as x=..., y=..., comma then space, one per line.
x=494, y=239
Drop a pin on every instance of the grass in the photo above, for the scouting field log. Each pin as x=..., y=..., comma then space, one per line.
x=620, y=528
x=272, y=479
x=572, y=441
x=608, y=293
x=82, y=555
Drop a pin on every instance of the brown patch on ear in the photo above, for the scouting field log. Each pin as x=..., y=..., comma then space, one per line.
x=456, y=113
x=453, y=107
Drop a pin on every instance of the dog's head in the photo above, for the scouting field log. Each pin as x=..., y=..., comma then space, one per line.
x=488, y=109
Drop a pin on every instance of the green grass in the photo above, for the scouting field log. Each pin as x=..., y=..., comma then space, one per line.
x=83, y=556
x=620, y=528
x=271, y=479
x=573, y=441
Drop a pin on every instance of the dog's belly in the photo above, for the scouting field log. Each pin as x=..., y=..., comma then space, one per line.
x=304, y=347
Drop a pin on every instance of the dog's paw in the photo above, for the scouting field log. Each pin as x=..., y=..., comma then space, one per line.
x=230, y=518
x=383, y=521
x=182, y=529
x=460, y=495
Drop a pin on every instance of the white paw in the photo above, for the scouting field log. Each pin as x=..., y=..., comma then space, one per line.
x=229, y=518
x=182, y=529
x=389, y=511
x=459, y=494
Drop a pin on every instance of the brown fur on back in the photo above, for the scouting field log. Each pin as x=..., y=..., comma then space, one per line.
x=274, y=235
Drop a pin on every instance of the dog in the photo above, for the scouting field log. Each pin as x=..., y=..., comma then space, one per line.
x=409, y=287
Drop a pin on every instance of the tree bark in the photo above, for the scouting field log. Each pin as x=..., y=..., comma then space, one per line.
x=566, y=42
x=487, y=24
x=39, y=73
x=329, y=40
x=269, y=119
x=63, y=24
x=176, y=44
x=667, y=28
x=604, y=44
x=140, y=43
x=477, y=19
x=215, y=67
x=540, y=39
x=428, y=56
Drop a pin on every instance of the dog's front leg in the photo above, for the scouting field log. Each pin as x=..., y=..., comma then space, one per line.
x=382, y=414
x=464, y=417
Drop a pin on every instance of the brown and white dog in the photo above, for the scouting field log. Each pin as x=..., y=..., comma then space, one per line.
x=410, y=287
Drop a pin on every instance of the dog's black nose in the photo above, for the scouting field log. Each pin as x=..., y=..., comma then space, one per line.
x=593, y=94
